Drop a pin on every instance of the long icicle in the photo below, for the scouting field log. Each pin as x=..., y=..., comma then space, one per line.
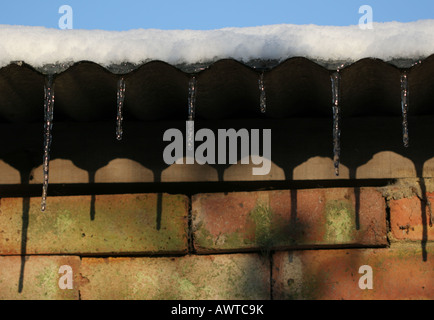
x=335, y=79
x=263, y=97
x=404, y=106
x=48, y=125
x=191, y=112
x=120, y=106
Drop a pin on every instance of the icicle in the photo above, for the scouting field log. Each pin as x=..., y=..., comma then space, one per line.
x=191, y=113
x=48, y=125
x=416, y=63
x=335, y=79
x=263, y=98
x=404, y=107
x=120, y=105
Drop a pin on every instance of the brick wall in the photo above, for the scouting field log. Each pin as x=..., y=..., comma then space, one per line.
x=280, y=244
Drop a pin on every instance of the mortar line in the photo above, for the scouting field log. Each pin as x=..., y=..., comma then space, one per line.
x=190, y=238
x=180, y=255
x=271, y=276
x=186, y=188
x=388, y=221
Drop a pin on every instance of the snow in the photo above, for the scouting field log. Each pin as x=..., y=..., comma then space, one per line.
x=39, y=46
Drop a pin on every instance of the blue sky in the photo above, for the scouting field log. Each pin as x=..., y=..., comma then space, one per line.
x=205, y=14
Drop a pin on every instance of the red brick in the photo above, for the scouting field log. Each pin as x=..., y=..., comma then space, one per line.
x=288, y=219
x=410, y=218
x=234, y=276
x=40, y=278
x=398, y=273
x=124, y=224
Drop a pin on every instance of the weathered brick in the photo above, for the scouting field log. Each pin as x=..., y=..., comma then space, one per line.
x=289, y=219
x=235, y=276
x=131, y=223
x=398, y=273
x=37, y=278
x=410, y=218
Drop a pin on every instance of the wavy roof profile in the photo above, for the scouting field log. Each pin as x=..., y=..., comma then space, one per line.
x=327, y=45
x=297, y=62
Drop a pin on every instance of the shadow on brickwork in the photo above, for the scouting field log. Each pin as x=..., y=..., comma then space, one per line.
x=295, y=140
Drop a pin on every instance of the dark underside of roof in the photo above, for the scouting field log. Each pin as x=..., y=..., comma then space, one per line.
x=227, y=89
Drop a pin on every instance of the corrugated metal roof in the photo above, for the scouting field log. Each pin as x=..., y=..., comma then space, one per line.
x=297, y=87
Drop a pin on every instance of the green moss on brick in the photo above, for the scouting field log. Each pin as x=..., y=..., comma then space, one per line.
x=47, y=280
x=227, y=241
x=203, y=237
x=340, y=221
x=270, y=230
x=64, y=222
x=122, y=224
x=263, y=230
x=262, y=217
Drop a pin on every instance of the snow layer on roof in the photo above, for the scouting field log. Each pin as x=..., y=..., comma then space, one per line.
x=40, y=46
